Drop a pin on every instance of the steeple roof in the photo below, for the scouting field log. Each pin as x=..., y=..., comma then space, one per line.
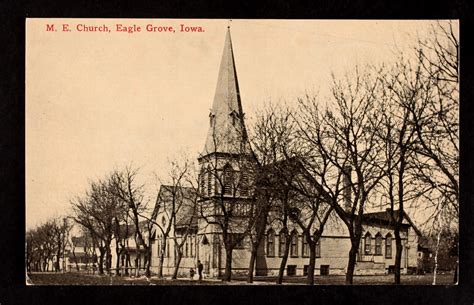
x=227, y=133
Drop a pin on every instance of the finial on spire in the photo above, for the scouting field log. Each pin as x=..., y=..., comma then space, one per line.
x=228, y=25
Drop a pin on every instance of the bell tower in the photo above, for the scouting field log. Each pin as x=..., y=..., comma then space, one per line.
x=227, y=164
x=227, y=154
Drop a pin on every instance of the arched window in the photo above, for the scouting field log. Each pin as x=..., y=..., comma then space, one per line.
x=305, y=246
x=378, y=244
x=271, y=243
x=367, y=243
x=282, y=242
x=388, y=245
x=318, y=248
x=294, y=244
x=228, y=179
x=318, y=245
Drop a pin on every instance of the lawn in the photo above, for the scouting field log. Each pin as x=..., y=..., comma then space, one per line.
x=89, y=279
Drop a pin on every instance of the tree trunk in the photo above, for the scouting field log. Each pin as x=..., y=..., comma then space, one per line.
x=58, y=257
x=118, y=251
x=398, y=255
x=178, y=261
x=228, y=263
x=312, y=261
x=284, y=259
x=137, y=263
x=352, y=259
x=260, y=233
x=398, y=240
x=162, y=260
x=127, y=262
x=253, y=256
x=435, y=270
x=101, y=261
x=108, y=258
x=75, y=258
x=148, y=261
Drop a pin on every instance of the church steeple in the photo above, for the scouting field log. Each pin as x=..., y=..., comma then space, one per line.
x=227, y=133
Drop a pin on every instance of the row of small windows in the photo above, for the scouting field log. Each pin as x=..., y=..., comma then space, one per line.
x=293, y=251
x=231, y=182
x=189, y=247
x=305, y=250
x=378, y=244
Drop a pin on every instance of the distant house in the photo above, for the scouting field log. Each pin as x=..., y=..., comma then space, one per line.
x=128, y=251
x=80, y=254
x=425, y=260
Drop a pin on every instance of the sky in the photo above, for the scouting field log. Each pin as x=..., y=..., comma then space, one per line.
x=98, y=101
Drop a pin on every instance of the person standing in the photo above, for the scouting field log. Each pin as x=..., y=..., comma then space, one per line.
x=200, y=267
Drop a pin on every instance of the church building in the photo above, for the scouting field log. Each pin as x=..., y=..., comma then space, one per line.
x=226, y=187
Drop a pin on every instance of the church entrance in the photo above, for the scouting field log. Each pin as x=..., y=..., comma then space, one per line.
x=205, y=254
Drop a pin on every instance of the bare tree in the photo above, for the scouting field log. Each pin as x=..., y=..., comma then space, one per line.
x=421, y=130
x=124, y=186
x=343, y=134
x=47, y=244
x=271, y=131
x=60, y=230
x=435, y=116
x=96, y=212
x=399, y=185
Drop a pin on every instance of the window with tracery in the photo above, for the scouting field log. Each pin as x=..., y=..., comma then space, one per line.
x=271, y=243
x=388, y=246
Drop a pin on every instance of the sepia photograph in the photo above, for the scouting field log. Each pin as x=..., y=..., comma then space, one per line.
x=241, y=152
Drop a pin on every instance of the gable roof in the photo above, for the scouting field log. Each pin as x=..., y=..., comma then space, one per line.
x=185, y=200
x=384, y=217
x=280, y=173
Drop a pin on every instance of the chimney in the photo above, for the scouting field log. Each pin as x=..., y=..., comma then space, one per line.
x=346, y=183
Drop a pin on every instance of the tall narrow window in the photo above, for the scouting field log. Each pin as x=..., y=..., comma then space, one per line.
x=228, y=180
x=244, y=182
x=305, y=246
x=271, y=243
x=378, y=244
x=388, y=246
x=209, y=181
x=203, y=181
x=367, y=243
x=282, y=242
x=318, y=248
x=294, y=243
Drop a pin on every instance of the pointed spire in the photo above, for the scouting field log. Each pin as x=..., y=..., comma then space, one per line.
x=227, y=132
